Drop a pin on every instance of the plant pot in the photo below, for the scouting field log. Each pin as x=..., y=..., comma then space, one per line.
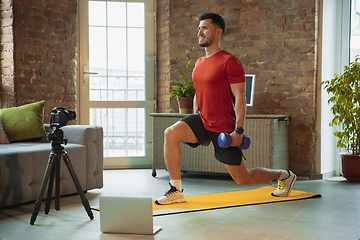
x=185, y=105
x=350, y=167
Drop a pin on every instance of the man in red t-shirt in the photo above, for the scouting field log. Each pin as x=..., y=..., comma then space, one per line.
x=219, y=80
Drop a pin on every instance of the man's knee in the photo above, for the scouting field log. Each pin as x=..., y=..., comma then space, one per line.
x=242, y=181
x=171, y=134
x=243, y=178
x=240, y=174
x=179, y=132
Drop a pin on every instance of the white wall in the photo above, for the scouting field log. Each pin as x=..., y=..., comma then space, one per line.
x=332, y=47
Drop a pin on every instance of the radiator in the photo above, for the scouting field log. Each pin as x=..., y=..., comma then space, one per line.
x=269, y=144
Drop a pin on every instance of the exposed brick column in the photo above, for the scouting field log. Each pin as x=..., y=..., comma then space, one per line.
x=7, y=88
x=163, y=55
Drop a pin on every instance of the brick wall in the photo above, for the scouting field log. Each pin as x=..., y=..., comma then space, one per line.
x=273, y=39
x=44, y=60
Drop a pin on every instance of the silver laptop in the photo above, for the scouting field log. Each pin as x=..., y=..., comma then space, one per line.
x=133, y=215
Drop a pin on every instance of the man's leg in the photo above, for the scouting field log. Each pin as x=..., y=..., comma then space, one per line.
x=173, y=136
x=244, y=176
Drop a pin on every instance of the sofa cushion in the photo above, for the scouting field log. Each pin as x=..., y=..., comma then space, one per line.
x=23, y=165
x=24, y=122
x=3, y=136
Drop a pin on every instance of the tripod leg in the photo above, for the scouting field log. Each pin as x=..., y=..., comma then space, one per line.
x=77, y=184
x=49, y=194
x=57, y=181
x=42, y=189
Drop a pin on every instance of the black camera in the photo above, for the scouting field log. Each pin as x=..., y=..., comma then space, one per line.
x=60, y=116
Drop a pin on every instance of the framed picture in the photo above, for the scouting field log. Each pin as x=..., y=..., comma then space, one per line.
x=250, y=83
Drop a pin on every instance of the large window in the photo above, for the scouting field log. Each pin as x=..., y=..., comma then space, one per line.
x=117, y=76
x=355, y=29
x=117, y=54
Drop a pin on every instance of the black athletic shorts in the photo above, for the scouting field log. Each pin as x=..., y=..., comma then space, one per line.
x=230, y=155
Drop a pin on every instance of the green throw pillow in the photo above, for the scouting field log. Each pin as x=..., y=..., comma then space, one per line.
x=24, y=122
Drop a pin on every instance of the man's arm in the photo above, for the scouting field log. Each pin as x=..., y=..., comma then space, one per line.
x=238, y=90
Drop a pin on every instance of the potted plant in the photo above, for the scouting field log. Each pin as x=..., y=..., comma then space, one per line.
x=184, y=93
x=345, y=98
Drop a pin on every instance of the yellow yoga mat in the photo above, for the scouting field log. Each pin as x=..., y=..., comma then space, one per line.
x=232, y=199
x=227, y=199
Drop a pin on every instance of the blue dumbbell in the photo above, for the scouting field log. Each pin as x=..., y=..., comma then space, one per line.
x=205, y=144
x=224, y=141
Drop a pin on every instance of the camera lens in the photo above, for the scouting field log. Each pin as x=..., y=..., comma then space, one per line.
x=71, y=115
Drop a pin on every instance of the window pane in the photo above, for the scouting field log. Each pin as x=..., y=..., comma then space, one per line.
x=97, y=11
x=124, y=130
x=136, y=89
x=136, y=51
x=117, y=88
x=355, y=29
x=97, y=50
x=116, y=14
x=117, y=52
x=97, y=85
x=134, y=14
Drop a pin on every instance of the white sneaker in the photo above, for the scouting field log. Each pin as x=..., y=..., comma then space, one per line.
x=171, y=196
x=285, y=185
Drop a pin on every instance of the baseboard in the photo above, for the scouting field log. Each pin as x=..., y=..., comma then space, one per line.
x=126, y=167
x=126, y=163
x=316, y=176
x=329, y=174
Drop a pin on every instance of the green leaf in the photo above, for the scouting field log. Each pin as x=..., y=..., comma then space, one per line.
x=183, y=90
x=188, y=63
x=182, y=74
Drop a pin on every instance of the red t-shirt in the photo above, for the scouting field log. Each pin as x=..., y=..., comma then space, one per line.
x=212, y=77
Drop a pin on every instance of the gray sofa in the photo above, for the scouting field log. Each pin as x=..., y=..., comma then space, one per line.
x=23, y=164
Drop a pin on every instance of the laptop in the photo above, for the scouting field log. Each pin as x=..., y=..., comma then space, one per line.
x=132, y=215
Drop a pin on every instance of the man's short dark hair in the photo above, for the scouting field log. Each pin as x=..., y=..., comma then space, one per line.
x=216, y=20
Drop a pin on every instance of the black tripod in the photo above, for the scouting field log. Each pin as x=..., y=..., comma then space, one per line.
x=57, y=151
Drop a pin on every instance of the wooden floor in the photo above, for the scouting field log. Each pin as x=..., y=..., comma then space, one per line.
x=336, y=215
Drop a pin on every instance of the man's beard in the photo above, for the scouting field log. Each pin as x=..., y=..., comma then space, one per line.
x=207, y=43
